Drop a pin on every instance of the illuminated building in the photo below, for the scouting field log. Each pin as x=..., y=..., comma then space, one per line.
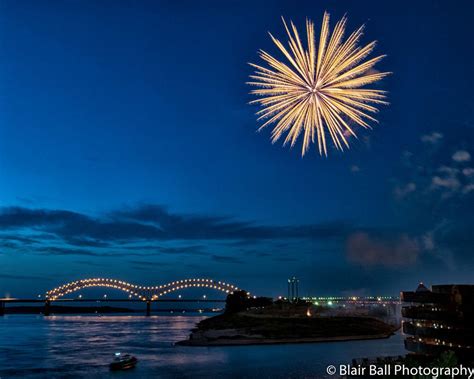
x=439, y=319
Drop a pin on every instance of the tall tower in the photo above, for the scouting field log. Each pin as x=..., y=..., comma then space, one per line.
x=293, y=290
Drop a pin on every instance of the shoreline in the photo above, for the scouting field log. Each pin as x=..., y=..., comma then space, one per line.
x=277, y=341
x=238, y=329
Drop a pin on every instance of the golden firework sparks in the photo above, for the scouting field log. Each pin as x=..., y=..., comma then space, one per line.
x=318, y=91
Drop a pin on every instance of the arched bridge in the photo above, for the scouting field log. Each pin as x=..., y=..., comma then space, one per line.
x=145, y=293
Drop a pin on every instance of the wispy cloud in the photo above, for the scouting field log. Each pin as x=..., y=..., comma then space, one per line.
x=150, y=229
x=152, y=223
x=434, y=193
x=461, y=156
x=432, y=138
x=226, y=259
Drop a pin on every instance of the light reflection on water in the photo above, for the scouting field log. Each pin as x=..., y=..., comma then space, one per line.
x=82, y=346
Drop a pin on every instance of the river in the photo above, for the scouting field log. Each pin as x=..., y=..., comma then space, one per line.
x=82, y=346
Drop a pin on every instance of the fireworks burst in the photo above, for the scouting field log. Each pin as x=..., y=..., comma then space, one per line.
x=320, y=89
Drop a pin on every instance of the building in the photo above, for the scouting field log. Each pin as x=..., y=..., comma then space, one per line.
x=439, y=319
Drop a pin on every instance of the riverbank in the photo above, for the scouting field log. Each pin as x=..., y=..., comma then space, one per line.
x=245, y=329
x=269, y=341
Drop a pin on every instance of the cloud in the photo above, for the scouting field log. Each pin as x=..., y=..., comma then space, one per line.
x=468, y=188
x=22, y=277
x=432, y=138
x=226, y=259
x=152, y=222
x=148, y=227
x=443, y=203
x=448, y=183
x=461, y=156
x=401, y=191
x=147, y=264
x=366, y=249
x=19, y=238
x=56, y=250
x=355, y=168
x=148, y=230
x=468, y=171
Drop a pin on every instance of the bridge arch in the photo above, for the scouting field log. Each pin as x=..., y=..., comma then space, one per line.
x=146, y=293
x=178, y=285
x=132, y=289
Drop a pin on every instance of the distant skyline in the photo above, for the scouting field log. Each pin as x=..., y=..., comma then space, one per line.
x=128, y=149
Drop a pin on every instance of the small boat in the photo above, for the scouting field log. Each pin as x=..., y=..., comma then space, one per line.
x=123, y=362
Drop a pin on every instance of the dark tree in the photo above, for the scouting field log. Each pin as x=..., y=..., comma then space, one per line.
x=236, y=302
x=240, y=301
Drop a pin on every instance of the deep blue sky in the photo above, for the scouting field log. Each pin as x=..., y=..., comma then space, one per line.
x=128, y=149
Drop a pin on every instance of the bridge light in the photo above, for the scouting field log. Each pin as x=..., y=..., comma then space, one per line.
x=203, y=296
x=105, y=296
x=179, y=296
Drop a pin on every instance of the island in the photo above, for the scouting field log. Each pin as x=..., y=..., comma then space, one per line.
x=262, y=321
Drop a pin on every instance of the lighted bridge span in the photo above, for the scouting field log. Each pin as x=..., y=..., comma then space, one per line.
x=145, y=293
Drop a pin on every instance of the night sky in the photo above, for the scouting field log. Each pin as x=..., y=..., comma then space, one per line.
x=128, y=150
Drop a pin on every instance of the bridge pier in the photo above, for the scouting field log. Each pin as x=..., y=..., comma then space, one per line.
x=2, y=308
x=47, y=308
x=148, y=307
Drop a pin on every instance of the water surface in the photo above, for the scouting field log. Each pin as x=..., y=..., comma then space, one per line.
x=82, y=346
